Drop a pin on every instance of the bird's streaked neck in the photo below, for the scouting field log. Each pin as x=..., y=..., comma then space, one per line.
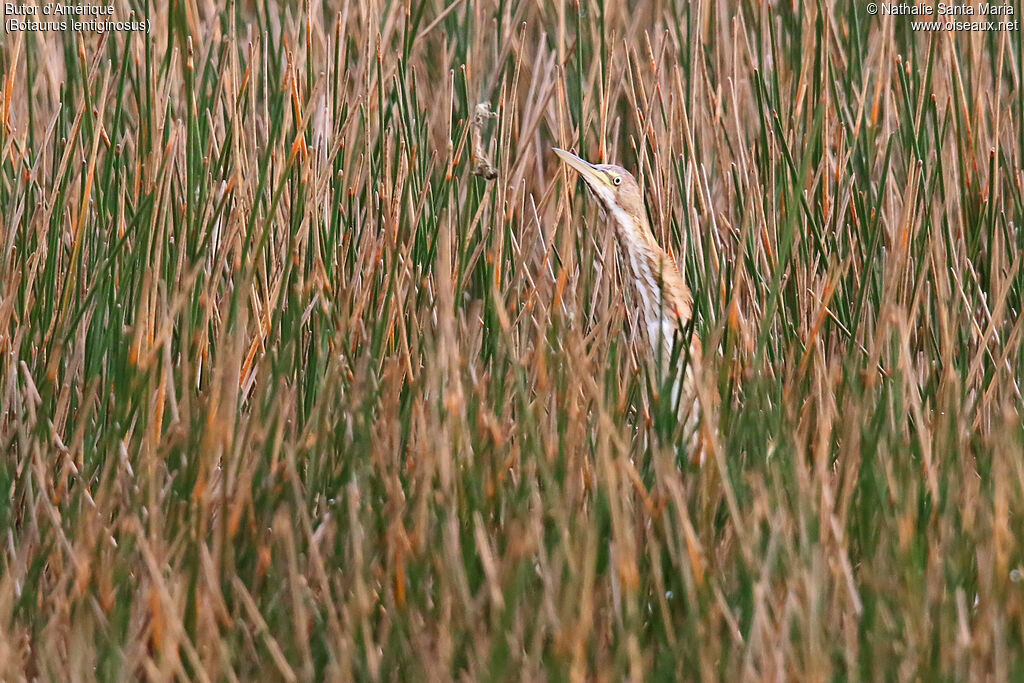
x=654, y=274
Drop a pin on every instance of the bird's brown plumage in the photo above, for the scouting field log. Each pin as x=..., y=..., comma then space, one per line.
x=666, y=301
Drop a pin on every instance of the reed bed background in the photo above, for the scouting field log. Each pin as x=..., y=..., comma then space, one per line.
x=287, y=390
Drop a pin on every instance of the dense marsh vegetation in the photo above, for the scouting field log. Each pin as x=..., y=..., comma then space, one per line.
x=288, y=391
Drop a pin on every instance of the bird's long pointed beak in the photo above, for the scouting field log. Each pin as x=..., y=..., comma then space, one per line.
x=587, y=170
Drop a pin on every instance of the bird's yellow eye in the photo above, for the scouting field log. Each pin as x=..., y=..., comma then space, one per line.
x=617, y=180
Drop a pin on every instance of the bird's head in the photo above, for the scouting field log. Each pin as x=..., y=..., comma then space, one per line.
x=615, y=187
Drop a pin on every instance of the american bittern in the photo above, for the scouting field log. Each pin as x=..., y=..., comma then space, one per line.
x=666, y=302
